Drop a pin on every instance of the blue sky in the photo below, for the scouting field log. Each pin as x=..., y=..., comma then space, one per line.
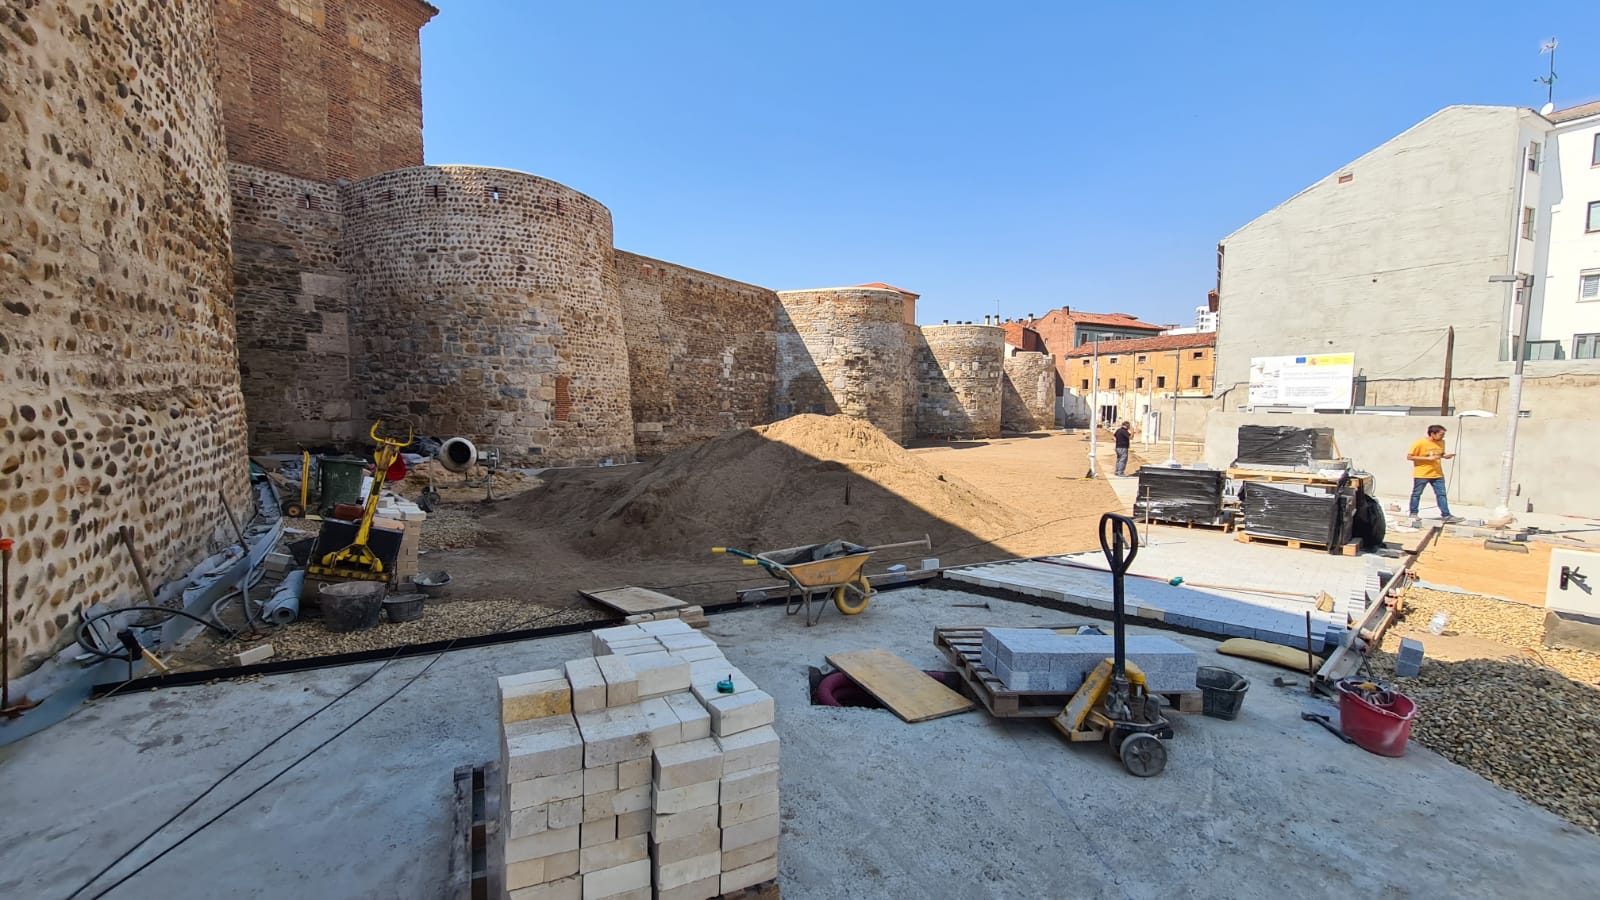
x=1018, y=156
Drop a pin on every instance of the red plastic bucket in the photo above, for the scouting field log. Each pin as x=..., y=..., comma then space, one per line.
x=1383, y=730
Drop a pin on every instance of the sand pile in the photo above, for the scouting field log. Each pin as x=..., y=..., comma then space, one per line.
x=803, y=480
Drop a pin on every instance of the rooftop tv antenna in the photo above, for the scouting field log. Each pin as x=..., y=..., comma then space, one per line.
x=1549, y=81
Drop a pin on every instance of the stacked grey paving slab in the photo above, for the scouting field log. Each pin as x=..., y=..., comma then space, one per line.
x=630, y=776
x=1038, y=659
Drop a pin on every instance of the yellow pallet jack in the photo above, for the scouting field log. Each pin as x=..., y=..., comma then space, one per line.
x=1114, y=704
x=357, y=562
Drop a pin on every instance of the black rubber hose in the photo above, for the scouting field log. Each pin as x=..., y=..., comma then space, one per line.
x=126, y=657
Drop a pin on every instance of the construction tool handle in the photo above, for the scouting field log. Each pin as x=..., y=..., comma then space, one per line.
x=924, y=542
x=1119, y=541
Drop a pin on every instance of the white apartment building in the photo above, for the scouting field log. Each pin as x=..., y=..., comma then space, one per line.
x=1563, y=165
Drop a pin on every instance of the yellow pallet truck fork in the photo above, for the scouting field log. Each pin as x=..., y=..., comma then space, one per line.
x=1114, y=704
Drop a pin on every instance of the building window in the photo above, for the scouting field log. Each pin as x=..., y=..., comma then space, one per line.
x=1594, y=218
x=1086, y=362
x=1113, y=384
x=1139, y=382
x=1086, y=384
x=1527, y=222
x=1199, y=354
x=1533, y=156
x=1161, y=381
x=1194, y=381
x=1143, y=358
x=1589, y=285
x=1586, y=346
x=1113, y=360
x=1594, y=158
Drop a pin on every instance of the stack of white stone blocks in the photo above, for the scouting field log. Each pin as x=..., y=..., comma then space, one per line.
x=1038, y=659
x=632, y=775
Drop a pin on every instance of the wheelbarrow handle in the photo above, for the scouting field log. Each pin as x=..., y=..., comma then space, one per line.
x=1119, y=541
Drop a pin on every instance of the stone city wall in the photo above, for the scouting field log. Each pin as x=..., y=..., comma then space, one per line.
x=322, y=89
x=121, y=401
x=1028, y=396
x=844, y=350
x=490, y=309
x=700, y=352
x=959, y=370
x=293, y=311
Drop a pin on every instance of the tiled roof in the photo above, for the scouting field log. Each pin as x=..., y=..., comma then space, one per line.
x=1121, y=320
x=1142, y=345
x=889, y=287
x=1575, y=112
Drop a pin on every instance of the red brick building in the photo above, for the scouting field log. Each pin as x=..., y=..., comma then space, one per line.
x=1060, y=331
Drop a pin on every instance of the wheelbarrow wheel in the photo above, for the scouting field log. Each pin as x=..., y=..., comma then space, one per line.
x=843, y=602
x=1143, y=755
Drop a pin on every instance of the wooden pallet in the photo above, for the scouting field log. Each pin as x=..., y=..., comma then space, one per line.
x=1284, y=476
x=1225, y=526
x=964, y=648
x=1349, y=549
x=476, y=854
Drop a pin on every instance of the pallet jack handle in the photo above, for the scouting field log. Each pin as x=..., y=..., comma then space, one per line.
x=1119, y=541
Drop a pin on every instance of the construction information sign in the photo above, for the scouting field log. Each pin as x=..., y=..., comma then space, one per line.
x=1308, y=382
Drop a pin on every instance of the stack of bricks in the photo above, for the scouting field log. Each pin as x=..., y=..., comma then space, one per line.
x=633, y=774
x=693, y=616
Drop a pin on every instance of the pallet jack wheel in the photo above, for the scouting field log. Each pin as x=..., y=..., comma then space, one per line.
x=293, y=510
x=841, y=599
x=1143, y=755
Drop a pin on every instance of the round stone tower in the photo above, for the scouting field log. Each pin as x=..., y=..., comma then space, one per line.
x=490, y=309
x=1028, y=400
x=844, y=350
x=960, y=369
x=119, y=384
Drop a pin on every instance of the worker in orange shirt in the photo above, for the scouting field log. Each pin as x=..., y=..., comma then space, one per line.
x=1427, y=456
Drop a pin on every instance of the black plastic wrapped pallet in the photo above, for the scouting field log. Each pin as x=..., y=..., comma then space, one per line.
x=1312, y=513
x=1179, y=495
x=1282, y=445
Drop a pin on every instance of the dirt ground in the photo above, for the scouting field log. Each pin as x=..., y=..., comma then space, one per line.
x=1465, y=563
x=1035, y=478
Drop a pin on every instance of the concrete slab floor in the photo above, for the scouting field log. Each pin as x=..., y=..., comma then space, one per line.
x=966, y=806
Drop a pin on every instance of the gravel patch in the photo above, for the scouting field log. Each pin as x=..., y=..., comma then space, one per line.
x=442, y=621
x=1529, y=722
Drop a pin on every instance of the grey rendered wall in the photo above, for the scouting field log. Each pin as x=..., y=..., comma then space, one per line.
x=1381, y=264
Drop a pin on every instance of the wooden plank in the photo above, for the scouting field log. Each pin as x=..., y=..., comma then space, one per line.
x=631, y=601
x=906, y=690
x=459, y=872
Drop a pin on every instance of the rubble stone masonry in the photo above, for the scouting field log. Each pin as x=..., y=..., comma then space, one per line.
x=844, y=350
x=119, y=385
x=322, y=89
x=294, y=312
x=1028, y=399
x=959, y=373
x=700, y=350
x=489, y=307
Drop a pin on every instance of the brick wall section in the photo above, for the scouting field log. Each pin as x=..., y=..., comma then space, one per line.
x=844, y=350
x=322, y=89
x=700, y=352
x=478, y=290
x=120, y=401
x=959, y=373
x=293, y=312
x=1028, y=396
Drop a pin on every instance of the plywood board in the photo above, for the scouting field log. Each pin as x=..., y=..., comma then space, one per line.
x=631, y=601
x=897, y=684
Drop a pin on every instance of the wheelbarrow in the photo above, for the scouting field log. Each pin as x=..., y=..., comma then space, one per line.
x=820, y=570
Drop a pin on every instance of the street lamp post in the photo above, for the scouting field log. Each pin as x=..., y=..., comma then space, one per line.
x=1172, y=434
x=1522, y=299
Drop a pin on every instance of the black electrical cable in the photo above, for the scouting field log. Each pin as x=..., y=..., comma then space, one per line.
x=302, y=758
x=96, y=651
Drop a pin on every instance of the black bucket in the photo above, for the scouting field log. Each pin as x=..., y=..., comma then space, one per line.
x=1222, y=691
x=352, y=605
x=404, y=609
